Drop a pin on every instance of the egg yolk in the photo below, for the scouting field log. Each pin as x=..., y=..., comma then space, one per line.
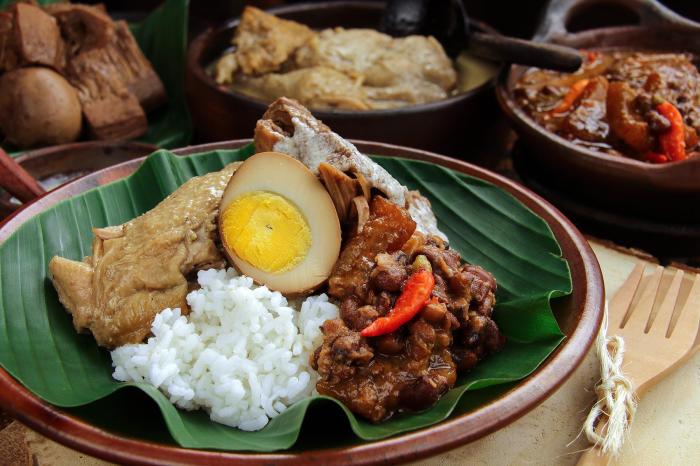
x=266, y=230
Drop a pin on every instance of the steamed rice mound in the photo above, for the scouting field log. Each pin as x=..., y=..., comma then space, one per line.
x=242, y=354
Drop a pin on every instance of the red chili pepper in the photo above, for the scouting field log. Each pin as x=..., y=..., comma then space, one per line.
x=672, y=141
x=574, y=93
x=413, y=298
x=591, y=55
x=654, y=157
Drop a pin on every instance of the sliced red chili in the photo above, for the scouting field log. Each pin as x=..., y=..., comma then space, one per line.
x=591, y=56
x=654, y=157
x=672, y=141
x=574, y=93
x=413, y=298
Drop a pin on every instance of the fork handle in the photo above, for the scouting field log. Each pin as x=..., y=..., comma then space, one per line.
x=594, y=456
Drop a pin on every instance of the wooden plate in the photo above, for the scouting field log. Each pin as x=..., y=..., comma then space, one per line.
x=578, y=314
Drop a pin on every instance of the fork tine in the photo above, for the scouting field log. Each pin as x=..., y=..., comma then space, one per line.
x=620, y=303
x=638, y=317
x=689, y=318
x=661, y=323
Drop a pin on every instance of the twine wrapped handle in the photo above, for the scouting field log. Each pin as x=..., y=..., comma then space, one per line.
x=616, y=395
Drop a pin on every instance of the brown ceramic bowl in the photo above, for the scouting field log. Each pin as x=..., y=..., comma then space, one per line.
x=624, y=185
x=448, y=126
x=53, y=166
x=578, y=314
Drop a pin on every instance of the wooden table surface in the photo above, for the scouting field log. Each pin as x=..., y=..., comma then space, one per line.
x=666, y=430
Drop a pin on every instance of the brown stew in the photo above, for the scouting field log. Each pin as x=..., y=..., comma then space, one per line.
x=410, y=368
x=640, y=105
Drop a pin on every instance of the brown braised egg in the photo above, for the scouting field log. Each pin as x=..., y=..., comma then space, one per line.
x=38, y=107
x=278, y=224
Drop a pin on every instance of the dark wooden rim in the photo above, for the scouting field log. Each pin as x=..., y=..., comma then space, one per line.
x=200, y=43
x=588, y=286
x=654, y=17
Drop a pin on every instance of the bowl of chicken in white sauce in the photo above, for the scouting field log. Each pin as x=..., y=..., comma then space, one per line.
x=330, y=57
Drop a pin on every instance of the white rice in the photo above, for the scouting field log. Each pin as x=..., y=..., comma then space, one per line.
x=242, y=354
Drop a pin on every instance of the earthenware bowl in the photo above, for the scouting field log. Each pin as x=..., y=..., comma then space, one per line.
x=451, y=126
x=55, y=165
x=612, y=183
x=578, y=314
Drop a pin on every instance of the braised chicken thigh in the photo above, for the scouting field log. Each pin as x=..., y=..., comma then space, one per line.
x=141, y=267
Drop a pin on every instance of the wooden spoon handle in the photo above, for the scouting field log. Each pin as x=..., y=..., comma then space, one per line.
x=593, y=457
x=524, y=52
x=16, y=180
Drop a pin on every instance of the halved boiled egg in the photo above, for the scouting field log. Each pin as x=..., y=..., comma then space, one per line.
x=278, y=224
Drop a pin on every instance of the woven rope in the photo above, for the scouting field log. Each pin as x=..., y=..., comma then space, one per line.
x=616, y=397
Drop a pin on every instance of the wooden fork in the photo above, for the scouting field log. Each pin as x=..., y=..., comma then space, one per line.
x=657, y=339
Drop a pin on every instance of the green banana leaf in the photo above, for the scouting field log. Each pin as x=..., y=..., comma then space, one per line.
x=40, y=348
x=162, y=37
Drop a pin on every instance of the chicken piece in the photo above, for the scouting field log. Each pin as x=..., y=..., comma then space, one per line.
x=408, y=92
x=141, y=267
x=378, y=58
x=393, y=72
x=225, y=69
x=418, y=58
x=318, y=87
x=350, y=51
x=288, y=127
x=355, y=69
x=264, y=42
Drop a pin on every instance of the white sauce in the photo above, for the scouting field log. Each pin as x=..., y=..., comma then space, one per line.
x=420, y=211
x=311, y=147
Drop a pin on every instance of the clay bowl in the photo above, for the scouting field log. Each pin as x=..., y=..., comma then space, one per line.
x=619, y=184
x=448, y=126
x=578, y=314
x=52, y=166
